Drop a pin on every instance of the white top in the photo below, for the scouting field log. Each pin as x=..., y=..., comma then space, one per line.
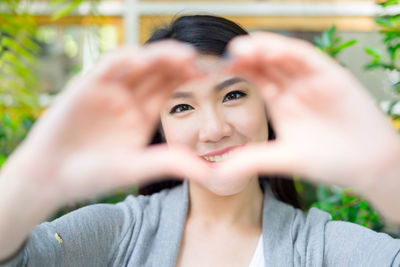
x=258, y=257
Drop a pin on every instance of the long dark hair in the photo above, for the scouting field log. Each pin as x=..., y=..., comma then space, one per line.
x=210, y=35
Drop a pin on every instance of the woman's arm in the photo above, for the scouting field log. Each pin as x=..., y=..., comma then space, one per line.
x=22, y=206
x=89, y=236
x=348, y=244
x=94, y=138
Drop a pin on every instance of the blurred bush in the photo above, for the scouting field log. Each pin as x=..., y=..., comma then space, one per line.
x=18, y=83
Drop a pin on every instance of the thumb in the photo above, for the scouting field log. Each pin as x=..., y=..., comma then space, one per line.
x=160, y=161
x=271, y=158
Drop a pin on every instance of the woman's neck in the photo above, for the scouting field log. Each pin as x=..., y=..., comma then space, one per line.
x=243, y=209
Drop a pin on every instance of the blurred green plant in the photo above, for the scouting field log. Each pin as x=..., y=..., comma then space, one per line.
x=18, y=82
x=330, y=43
x=19, y=105
x=390, y=31
x=344, y=205
x=66, y=7
x=341, y=203
x=14, y=125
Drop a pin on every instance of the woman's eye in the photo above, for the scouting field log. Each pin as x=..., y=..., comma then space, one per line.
x=234, y=95
x=180, y=108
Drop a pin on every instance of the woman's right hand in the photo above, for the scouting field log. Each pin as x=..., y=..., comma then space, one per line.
x=93, y=139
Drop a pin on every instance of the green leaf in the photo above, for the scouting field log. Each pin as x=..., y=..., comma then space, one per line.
x=390, y=37
x=374, y=65
x=318, y=42
x=67, y=9
x=330, y=33
x=18, y=49
x=326, y=39
x=346, y=44
x=373, y=52
x=6, y=120
x=336, y=40
x=392, y=51
x=323, y=193
x=2, y=159
x=383, y=21
x=389, y=3
x=56, y=2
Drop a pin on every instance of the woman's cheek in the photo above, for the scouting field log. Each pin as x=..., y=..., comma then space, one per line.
x=250, y=121
x=180, y=131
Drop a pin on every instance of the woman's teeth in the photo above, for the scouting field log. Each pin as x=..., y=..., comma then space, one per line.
x=217, y=158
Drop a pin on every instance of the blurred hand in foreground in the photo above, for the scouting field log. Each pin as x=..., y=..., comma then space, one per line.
x=93, y=139
x=329, y=130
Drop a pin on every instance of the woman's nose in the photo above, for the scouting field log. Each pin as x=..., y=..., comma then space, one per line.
x=214, y=127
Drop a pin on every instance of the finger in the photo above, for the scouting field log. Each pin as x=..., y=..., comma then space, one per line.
x=159, y=161
x=89, y=174
x=171, y=76
x=162, y=57
x=260, y=68
x=268, y=86
x=128, y=63
x=293, y=57
x=117, y=63
x=154, y=91
x=270, y=158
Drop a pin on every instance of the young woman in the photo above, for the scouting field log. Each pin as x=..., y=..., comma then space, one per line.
x=214, y=121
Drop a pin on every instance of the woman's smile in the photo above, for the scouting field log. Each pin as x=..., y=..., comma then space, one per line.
x=219, y=155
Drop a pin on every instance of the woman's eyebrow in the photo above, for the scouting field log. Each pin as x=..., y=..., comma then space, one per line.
x=228, y=82
x=182, y=95
x=218, y=87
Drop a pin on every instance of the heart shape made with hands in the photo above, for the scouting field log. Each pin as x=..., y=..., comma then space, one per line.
x=310, y=100
x=323, y=118
x=103, y=122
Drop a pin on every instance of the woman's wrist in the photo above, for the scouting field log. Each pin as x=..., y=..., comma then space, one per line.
x=20, y=211
x=19, y=187
x=383, y=183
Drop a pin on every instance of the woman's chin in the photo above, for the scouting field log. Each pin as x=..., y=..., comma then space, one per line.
x=222, y=187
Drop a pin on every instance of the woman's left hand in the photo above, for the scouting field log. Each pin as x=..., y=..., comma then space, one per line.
x=329, y=130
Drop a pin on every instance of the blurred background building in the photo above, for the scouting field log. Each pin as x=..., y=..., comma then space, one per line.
x=74, y=42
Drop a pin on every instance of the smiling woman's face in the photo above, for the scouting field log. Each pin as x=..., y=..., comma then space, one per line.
x=214, y=116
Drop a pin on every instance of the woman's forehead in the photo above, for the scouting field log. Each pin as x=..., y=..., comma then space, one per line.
x=213, y=84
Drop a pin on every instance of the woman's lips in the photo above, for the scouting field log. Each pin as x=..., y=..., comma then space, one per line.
x=219, y=155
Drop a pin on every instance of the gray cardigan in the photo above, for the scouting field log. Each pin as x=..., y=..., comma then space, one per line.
x=147, y=231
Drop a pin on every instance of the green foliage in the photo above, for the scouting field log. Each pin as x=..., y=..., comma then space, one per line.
x=18, y=82
x=331, y=44
x=66, y=7
x=14, y=125
x=19, y=87
x=343, y=205
x=390, y=30
x=389, y=3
